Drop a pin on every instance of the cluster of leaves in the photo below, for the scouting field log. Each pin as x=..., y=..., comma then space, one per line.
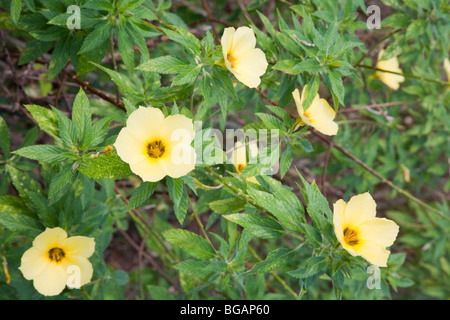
x=260, y=241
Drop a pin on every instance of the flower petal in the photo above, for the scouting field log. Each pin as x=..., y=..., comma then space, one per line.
x=250, y=66
x=51, y=281
x=51, y=237
x=79, y=246
x=33, y=262
x=149, y=169
x=145, y=122
x=379, y=231
x=243, y=40
x=360, y=209
x=176, y=126
x=339, y=219
x=180, y=162
x=129, y=148
x=79, y=271
x=374, y=253
x=227, y=41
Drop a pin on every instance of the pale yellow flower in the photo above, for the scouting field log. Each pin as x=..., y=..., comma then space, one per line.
x=55, y=261
x=155, y=146
x=244, y=61
x=391, y=80
x=360, y=232
x=319, y=115
x=447, y=68
x=239, y=157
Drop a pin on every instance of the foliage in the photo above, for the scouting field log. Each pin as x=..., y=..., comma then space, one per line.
x=214, y=233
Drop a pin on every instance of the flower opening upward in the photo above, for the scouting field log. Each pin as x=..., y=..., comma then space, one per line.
x=391, y=80
x=319, y=115
x=155, y=146
x=360, y=232
x=52, y=257
x=244, y=61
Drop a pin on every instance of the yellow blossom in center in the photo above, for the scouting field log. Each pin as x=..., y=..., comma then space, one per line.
x=246, y=62
x=319, y=115
x=391, y=80
x=360, y=232
x=54, y=258
x=155, y=146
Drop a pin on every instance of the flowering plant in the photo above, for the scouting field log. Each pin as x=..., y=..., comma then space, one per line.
x=224, y=150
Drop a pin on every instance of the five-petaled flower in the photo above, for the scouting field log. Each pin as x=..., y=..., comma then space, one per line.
x=390, y=79
x=53, y=259
x=319, y=115
x=244, y=61
x=155, y=146
x=360, y=232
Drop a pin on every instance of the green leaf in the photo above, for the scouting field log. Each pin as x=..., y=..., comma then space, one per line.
x=13, y=205
x=60, y=183
x=257, y=225
x=4, y=136
x=45, y=153
x=123, y=82
x=66, y=129
x=105, y=166
x=314, y=266
x=227, y=206
x=201, y=268
x=337, y=86
x=187, y=75
x=97, y=37
x=175, y=186
x=311, y=91
x=309, y=65
x=81, y=115
x=60, y=57
x=141, y=194
x=45, y=118
x=16, y=7
x=164, y=65
x=190, y=242
x=21, y=224
x=159, y=293
x=275, y=260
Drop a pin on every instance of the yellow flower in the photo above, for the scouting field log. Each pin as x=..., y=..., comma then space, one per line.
x=55, y=261
x=360, y=233
x=239, y=158
x=155, y=146
x=447, y=68
x=319, y=115
x=391, y=80
x=246, y=62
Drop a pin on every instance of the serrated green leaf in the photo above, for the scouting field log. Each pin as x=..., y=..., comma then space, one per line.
x=21, y=224
x=141, y=194
x=227, y=206
x=190, y=242
x=105, y=166
x=45, y=153
x=200, y=268
x=275, y=260
x=257, y=225
x=314, y=266
x=164, y=65
x=45, y=118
